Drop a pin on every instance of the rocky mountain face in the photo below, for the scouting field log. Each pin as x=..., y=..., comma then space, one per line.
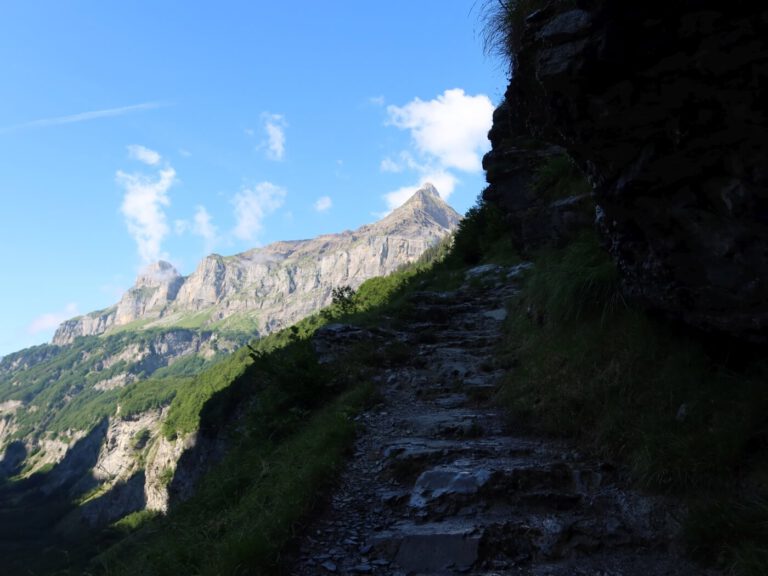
x=664, y=108
x=268, y=288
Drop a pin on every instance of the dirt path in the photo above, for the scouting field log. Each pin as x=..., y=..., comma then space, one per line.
x=437, y=485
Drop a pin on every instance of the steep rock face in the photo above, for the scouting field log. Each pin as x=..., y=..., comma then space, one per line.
x=274, y=286
x=511, y=167
x=103, y=365
x=133, y=470
x=664, y=108
x=163, y=458
x=123, y=443
x=155, y=287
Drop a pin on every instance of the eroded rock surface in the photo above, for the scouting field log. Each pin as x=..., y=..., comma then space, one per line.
x=439, y=485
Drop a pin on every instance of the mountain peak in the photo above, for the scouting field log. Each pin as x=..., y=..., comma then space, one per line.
x=424, y=203
x=427, y=189
x=156, y=274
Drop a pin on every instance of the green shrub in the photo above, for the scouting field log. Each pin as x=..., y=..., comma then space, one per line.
x=140, y=439
x=482, y=234
x=166, y=475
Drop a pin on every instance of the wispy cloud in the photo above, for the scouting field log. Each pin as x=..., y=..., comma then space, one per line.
x=143, y=207
x=84, y=116
x=144, y=154
x=389, y=165
x=405, y=160
x=274, y=126
x=254, y=204
x=203, y=226
x=51, y=320
x=323, y=203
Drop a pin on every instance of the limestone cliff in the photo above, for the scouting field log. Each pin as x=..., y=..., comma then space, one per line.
x=268, y=288
x=664, y=108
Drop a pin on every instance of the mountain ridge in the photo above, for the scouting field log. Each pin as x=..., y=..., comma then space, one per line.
x=256, y=288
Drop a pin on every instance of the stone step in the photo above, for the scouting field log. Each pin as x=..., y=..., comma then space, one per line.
x=459, y=544
x=407, y=458
x=433, y=548
x=454, y=423
x=521, y=482
x=633, y=561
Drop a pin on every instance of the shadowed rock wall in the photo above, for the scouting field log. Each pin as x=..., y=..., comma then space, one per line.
x=665, y=108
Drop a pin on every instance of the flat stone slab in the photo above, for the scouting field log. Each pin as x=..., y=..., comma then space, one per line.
x=447, y=480
x=432, y=548
x=454, y=422
x=499, y=314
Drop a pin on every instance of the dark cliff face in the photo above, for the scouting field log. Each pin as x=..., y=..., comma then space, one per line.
x=665, y=108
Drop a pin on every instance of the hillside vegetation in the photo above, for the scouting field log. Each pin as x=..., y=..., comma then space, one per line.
x=60, y=384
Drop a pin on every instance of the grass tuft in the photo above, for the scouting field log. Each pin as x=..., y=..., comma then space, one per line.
x=579, y=282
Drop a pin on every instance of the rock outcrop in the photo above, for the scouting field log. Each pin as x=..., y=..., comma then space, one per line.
x=272, y=287
x=664, y=108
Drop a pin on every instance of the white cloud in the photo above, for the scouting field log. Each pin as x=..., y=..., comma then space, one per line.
x=444, y=181
x=451, y=129
x=323, y=203
x=274, y=125
x=377, y=100
x=143, y=207
x=389, y=165
x=51, y=320
x=254, y=204
x=203, y=227
x=84, y=116
x=405, y=161
x=448, y=134
x=144, y=154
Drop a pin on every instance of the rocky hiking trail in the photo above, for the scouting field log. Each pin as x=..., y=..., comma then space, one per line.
x=438, y=484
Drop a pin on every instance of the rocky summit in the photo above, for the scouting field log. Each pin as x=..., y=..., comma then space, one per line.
x=265, y=289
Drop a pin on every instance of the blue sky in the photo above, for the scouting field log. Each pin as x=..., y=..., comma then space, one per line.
x=131, y=131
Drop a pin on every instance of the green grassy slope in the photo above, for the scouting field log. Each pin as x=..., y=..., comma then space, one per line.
x=57, y=384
